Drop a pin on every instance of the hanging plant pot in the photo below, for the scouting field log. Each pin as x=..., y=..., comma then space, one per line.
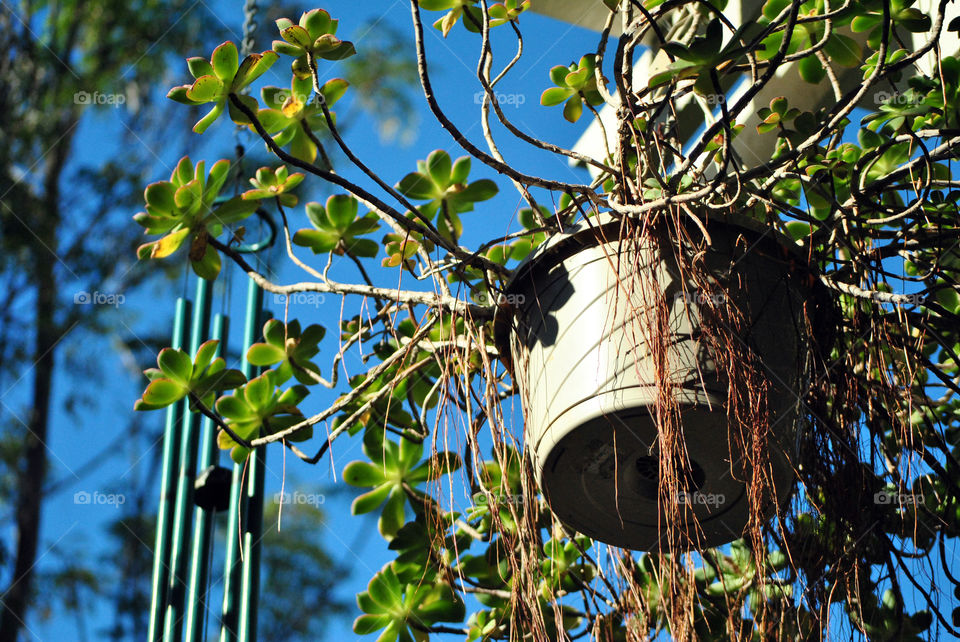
x=578, y=344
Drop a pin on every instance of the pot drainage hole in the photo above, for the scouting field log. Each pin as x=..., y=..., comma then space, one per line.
x=689, y=479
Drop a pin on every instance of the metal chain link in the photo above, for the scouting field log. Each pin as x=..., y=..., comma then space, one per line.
x=249, y=27
x=246, y=48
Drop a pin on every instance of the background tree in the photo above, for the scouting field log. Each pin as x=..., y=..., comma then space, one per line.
x=64, y=236
x=61, y=60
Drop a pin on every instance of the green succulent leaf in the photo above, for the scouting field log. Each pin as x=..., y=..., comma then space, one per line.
x=258, y=408
x=337, y=228
x=401, y=610
x=291, y=348
x=225, y=61
x=217, y=79
x=312, y=36
x=394, y=469
x=442, y=183
x=576, y=85
x=290, y=111
x=278, y=183
x=186, y=211
x=179, y=375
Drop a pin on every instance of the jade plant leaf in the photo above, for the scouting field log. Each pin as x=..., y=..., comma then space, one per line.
x=259, y=408
x=424, y=537
x=290, y=112
x=443, y=184
x=575, y=85
x=776, y=114
x=902, y=14
x=520, y=248
x=277, y=183
x=400, y=248
x=563, y=565
x=314, y=35
x=402, y=610
x=455, y=10
x=498, y=14
x=507, y=11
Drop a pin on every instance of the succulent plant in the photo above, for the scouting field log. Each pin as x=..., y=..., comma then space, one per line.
x=186, y=208
x=259, y=408
x=289, y=111
x=217, y=78
x=443, y=184
x=497, y=14
x=278, y=183
x=575, y=85
x=291, y=348
x=314, y=34
x=392, y=472
x=336, y=228
x=403, y=610
x=178, y=375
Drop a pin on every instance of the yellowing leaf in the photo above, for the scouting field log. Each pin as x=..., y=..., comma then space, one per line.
x=169, y=244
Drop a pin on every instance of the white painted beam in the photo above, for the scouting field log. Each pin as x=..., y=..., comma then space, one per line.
x=589, y=14
x=949, y=44
x=751, y=146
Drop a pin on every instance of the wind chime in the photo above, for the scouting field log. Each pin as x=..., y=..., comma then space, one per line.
x=194, y=488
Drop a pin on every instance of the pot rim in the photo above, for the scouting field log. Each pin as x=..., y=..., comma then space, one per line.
x=596, y=230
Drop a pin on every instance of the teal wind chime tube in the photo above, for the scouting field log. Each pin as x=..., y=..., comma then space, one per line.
x=252, y=534
x=168, y=489
x=242, y=571
x=251, y=546
x=233, y=569
x=173, y=622
x=203, y=518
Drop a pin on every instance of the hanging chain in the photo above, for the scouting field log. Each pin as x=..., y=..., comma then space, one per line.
x=246, y=48
x=249, y=27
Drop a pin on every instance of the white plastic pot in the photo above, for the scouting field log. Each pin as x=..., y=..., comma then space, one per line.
x=578, y=351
